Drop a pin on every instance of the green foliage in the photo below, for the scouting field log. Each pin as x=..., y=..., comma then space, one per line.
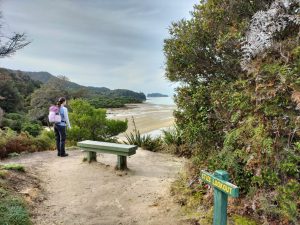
x=172, y=136
x=13, y=121
x=11, y=99
x=134, y=138
x=13, y=166
x=44, y=97
x=15, y=90
x=288, y=198
x=152, y=144
x=20, y=122
x=187, y=196
x=143, y=141
x=33, y=129
x=245, y=123
x=240, y=220
x=12, y=142
x=12, y=209
x=89, y=123
x=112, y=102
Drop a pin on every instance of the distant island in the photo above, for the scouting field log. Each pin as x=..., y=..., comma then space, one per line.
x=156, y=95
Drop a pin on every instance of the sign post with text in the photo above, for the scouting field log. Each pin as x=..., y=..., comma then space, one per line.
x=222, y=188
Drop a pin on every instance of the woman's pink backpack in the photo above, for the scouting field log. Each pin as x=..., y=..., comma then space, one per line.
x=54, y=115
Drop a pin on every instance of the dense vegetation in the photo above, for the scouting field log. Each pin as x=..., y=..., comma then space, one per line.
x=89, y=92
x=34, y=92
x=239, y=110
x=156, y=95
x=32, y=98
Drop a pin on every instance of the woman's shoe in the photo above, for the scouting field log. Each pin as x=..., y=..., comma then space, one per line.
x=64, y=155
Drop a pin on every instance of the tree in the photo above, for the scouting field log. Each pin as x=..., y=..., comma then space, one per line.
x=11, y=43
x=238, y=64
x=46, y=96
x=89, y=123
x=10, y=100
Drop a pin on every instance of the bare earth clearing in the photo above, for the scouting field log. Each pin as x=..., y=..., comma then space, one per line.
x=76, y=192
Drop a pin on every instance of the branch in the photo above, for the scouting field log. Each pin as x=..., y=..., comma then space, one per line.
x=14, y=43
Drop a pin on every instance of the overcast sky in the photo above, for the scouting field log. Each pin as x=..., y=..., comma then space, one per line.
x=104, y=43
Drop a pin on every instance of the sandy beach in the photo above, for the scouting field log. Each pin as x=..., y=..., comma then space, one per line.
x=148, y=117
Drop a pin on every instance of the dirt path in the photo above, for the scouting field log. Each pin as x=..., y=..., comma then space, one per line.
x=81, y=193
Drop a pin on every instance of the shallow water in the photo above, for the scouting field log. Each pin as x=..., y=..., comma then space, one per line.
x=161, y=101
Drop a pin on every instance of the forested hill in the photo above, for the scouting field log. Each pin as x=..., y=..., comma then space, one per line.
x=156, y=95
x=44, y=77
x=15, y=89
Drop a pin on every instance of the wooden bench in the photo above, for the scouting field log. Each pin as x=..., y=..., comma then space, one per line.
x=121, y=150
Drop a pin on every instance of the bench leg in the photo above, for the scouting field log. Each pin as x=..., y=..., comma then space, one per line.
x=122, y=162
x=91, y=156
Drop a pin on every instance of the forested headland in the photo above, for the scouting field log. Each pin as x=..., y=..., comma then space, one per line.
x=156, y=95
x=238, y=65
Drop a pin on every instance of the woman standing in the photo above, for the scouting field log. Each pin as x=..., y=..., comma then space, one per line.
x=60, y=128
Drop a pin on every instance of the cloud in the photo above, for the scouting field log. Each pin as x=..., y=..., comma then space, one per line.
x=113, y=43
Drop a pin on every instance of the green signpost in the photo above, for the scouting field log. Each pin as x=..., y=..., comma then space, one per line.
x=222, y=188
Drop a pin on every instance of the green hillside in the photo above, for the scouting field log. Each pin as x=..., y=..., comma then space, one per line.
x=45, y=77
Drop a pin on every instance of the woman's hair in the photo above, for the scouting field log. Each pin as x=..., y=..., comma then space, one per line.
x=60, y=101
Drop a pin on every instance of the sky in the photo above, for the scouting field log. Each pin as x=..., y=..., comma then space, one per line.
x=102, y=43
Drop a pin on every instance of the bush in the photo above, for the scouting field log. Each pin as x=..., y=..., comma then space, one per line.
x=134, y=138
x=144, y=141
x=11, y=142
x=288, y=200
x=91, y=123
x=172, y=136
x=151, y=144
x=33, y=129
x=15, y=125
x=19, y=122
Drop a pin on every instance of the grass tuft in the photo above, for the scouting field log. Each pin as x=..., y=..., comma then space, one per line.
x=16, y=167
x=13, y=210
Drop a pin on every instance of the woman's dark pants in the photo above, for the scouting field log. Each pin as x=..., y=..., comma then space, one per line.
x=60, y=134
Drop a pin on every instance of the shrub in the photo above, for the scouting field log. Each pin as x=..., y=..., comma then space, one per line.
x=45, y=141
x=16, y=125
x=20, y=143
x=144, y=141
x=288, y=198
x=172, y=136
x=91, y=123
x=19, y=122
x=134, y=138
x=151, y=144
x=33, y=129
x=11, y=142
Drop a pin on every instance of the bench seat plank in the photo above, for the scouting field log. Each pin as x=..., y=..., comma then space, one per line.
x=114, y=152
x=107, y=146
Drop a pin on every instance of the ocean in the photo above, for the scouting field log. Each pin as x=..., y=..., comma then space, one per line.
x=161, y=100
